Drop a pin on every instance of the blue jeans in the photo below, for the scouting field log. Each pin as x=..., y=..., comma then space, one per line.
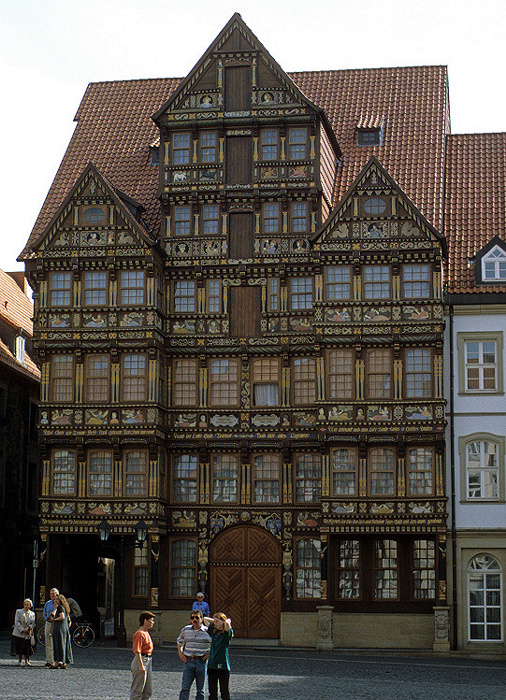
x=193, y=670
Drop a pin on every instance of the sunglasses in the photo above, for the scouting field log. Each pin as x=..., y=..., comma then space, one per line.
x=195, y=617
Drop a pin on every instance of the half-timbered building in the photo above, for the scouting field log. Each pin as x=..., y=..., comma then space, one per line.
x=239, y=323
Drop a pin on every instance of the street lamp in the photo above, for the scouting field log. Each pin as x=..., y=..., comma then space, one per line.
x=141, y=533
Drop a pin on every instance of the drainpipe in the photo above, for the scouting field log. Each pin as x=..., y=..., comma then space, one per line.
x=452, y=475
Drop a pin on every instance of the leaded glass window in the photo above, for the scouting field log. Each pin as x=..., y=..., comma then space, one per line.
x=308, y=568
x=225, y=478
x=424, y=569
x=183, y=568
x=266, y=479
x=184, y=484
x=344, y=471
x=100, y=468
x=385, y=570
x=348, y=569
x=64, y=472
x=308, y=478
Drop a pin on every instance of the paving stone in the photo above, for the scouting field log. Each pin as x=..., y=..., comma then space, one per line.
x=102, y=672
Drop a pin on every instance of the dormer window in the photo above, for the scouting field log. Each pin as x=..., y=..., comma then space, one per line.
x=490, y=263
x=370, y=130
x=493, y=265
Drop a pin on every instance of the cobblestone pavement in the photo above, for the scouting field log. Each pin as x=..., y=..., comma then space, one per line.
x=102, y=673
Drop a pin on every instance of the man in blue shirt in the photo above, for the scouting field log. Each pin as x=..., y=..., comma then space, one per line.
x=49, y=609
x=200, y=604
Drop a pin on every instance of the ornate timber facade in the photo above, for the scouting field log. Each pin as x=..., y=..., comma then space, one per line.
x=261, y=383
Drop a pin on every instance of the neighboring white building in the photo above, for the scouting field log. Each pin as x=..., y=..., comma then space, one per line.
x=476, y=407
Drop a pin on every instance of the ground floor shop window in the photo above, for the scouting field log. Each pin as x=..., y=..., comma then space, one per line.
x=384, y=569
x=308, y=568
x=484, y=583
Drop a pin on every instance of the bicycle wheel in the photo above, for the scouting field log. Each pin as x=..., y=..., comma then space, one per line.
x=41, y=635
x=83, y=636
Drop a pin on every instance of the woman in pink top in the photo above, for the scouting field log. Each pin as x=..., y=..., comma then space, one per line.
x=142, y=647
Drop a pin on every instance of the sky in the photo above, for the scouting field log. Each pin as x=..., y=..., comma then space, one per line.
x=51, y=49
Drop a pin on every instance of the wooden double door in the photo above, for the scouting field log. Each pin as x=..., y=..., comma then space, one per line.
x=245, y=580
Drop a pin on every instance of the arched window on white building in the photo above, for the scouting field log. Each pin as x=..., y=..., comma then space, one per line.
x=484, y=583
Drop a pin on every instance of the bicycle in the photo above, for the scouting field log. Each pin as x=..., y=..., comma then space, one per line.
x=81, y=633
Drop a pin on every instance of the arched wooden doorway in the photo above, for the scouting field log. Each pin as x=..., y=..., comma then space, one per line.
x=245, y=580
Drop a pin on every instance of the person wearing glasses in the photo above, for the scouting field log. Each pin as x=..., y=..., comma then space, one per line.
x=200, y=604
x=193, y=648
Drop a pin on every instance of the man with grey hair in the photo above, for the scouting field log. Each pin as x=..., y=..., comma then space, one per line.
x=49, y=609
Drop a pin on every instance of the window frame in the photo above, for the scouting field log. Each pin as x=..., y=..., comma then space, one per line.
x=482, y=437
x=184, y=303
x=67, y=475
x=260, y=367
x=214, y=303
x=463, y=339
x=374, y=281
x=488, y=571
x=307, y=574
x=294, y=145
x=356, y=571
x=210, y=214
x=102, y=380
x=301, y=293
x=230, y=388
x=416, y=281
x=382, y=490
x=205, y=150
x=265, y=479
x=132, y=377
x=374, y=380
x=97, y=490
x=141, y=571
x=132, y=288
x=269, y=149
x=307, y=481
x=141, y=473
x=60, y=289
x=91, y=287
x=299, y=221
x=184, y=566
x=221, y=478
x=415, y=458
x=182, y=220
x=62, y=384
x=418, y=571
x=185, y=482
x=271, y=220
x=499, y=263
x=185, y=383
x=304, y=382
x=340, y=374
x=419, y=377
x=331, y=287
x=181, y=154
x=351, y=470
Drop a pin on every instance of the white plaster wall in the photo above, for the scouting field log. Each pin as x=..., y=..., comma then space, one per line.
x=475, y=414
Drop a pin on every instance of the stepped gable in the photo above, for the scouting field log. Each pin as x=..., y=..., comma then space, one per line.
x=475, y=205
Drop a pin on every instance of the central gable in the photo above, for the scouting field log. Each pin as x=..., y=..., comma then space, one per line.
x=235, y=75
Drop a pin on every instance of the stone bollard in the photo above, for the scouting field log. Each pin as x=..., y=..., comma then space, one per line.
x=325, y=628
x=441, y=628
